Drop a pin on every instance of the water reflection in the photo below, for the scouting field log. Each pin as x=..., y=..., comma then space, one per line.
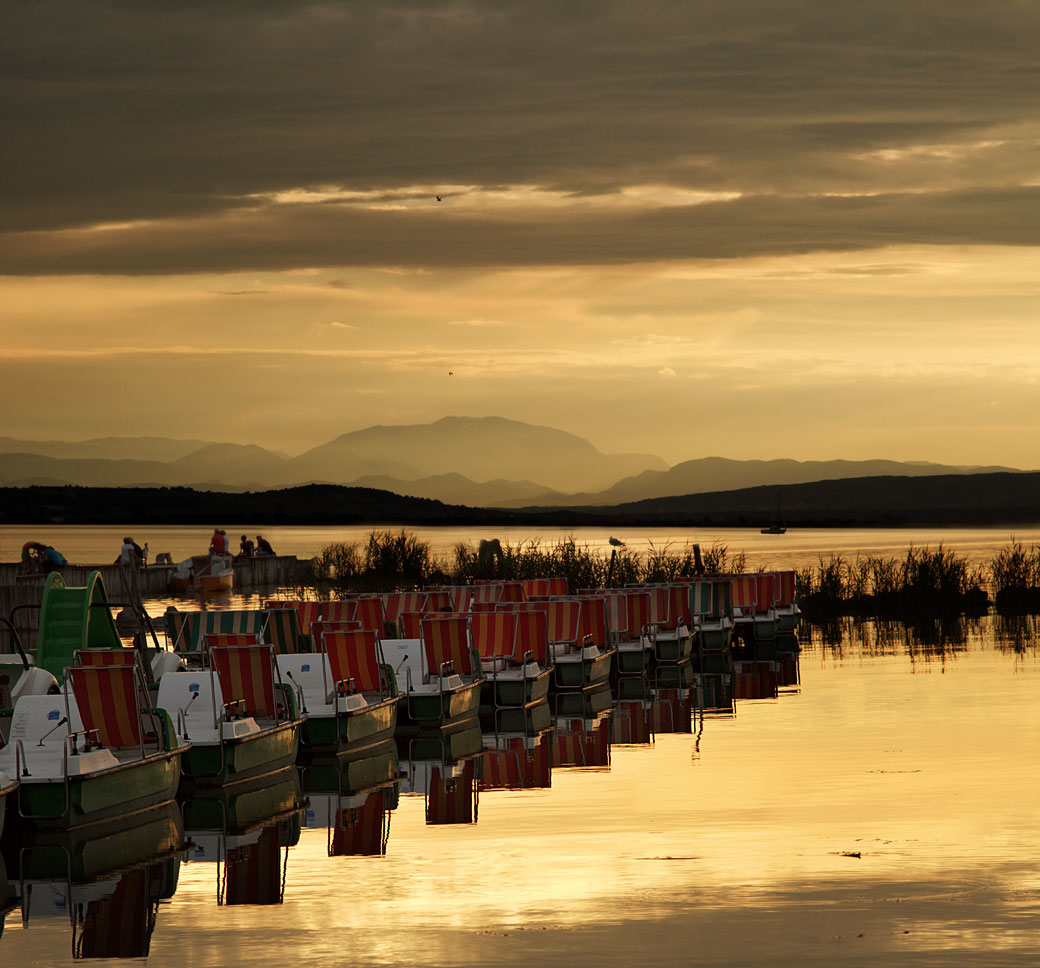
x=740, y=853
x=107, y=888
x=246, y=830
x=353, y=800
x=444, y=769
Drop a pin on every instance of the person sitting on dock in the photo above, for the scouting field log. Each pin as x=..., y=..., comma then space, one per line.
x=32, y=557
x=263, y=546
x=245, y=548
x=218, y=544
x=52, y=560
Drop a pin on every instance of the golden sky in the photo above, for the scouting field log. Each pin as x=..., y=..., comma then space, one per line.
x=739, y=227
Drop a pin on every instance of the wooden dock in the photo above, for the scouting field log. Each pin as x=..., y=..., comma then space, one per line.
x=21, y=595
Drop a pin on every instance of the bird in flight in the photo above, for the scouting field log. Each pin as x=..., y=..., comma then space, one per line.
x=438, y=198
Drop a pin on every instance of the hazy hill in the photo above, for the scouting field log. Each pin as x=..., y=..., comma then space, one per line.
x=480, y=448
x=721, y=474
x=456, y=489
x=106, y=448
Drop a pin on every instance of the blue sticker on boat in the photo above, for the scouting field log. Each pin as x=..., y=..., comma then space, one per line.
x=306, y=667
x=54, y=714
x=194, y=687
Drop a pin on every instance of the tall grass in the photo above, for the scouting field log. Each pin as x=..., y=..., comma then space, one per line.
x=391, y=560
x=937, y=580
x=922, y=580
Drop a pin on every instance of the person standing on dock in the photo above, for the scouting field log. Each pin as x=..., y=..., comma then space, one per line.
x=131, y=553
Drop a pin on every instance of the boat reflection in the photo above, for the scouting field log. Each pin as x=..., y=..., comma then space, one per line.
x=632, y=723
x=445, y=769
x=109, y=888
x=518, y=750
x=246, y=834
x=353, y=800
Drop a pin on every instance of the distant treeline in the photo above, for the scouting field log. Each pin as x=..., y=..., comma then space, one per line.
x=968, y=499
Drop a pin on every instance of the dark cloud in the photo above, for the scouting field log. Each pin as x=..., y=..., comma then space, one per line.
x=117, y=112
x=304, y=236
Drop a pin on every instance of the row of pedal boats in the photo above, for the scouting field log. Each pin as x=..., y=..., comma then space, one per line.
x=93, y=729
x=109, y=888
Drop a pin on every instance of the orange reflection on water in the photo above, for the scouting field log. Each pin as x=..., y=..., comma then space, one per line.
x=741, y=852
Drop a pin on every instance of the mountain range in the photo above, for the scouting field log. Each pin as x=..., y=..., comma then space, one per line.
x=474, y=461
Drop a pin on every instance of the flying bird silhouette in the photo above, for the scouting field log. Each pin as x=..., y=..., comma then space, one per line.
x=438, y=198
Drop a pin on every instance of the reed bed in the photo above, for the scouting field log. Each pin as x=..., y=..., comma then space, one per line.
x=923, y=580
x=398, y=561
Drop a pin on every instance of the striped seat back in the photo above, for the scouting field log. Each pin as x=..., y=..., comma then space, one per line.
x=784, y=588
x=369, y=612
x=743, y=591
x=661, y=613
x=637, y=613
x=318, y=629
x=535, y=587
x=593, y=622
x=338, y=610
x=394, y=603
x=446, y=640
x=109, y=701
x=282, y=631
x=765, y=591
x=680, y=595
x=246, y=673
x=617, y=608
x=701, y=597
x=233, y=640
x=408, y=624
x=512, y=591
x=105, y=657
x=197, y=625
x=438, y=600
x=557, y=586
x=494, y=634
x=461, y=597
x=564, y=615
x=486, y=593
x=355, y=655
x=486, y=607
x=722, y=599
x=532, y=635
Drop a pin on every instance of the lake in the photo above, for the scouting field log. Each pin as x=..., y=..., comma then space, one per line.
x=797, y=548
x=885, y=809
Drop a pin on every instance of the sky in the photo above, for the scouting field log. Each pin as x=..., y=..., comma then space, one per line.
x=747, y=228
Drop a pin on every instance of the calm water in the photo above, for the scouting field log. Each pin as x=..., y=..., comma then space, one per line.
x=799, y=547
x=726, y=845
